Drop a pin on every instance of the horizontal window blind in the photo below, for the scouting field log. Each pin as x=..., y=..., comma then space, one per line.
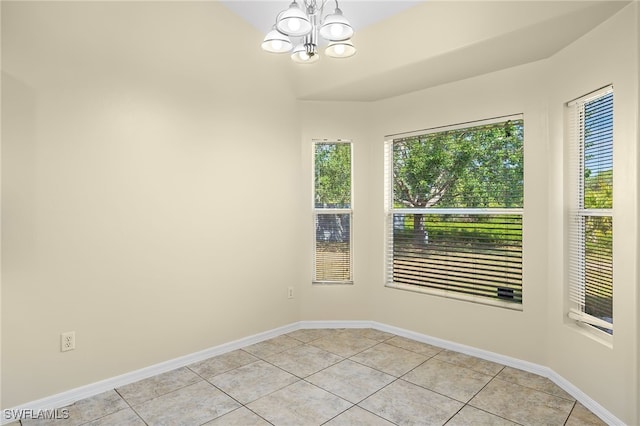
x=455, y=200
x=478, y=255
x=590, y=238
x=333, y=247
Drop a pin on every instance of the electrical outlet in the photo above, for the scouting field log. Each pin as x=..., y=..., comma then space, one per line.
x=290, y=293
x=68, y=341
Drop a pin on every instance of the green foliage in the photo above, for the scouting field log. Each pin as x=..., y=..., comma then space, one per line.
x=465, y=229
x=473, y=167
x=598, y=190
x=333, y=175
x=598, y=194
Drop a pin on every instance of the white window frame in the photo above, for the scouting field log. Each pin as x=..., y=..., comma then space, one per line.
x=390, y=210
x=577, y=214
x=320, y=210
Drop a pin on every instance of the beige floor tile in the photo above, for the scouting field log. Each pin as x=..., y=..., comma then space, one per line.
x=451, y=380
x=533, y=381
x=277, y=381
x=473, y=363
x=389, y=359
x=344, y=344
x=85, y=410
x=521, y=404
x=307, y=335
x=356, y=416
x=303, y=360
x=194, y=404
x=404, y=403
x=123, y=417
x=222, y=363
x=239, y=417
x=350, y=380
x=580, y=416
x=414, y=346
x=369, y=333
x=144, y=390
x=472, y=416
x=272, y=346
x=299, y=404
x=252, y=381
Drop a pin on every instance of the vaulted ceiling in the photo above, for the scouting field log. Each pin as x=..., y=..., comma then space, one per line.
x=403, y=46
x=415, y=45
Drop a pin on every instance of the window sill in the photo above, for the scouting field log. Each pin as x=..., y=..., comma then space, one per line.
x=331, y=283
x=591, y=332
x=457, y=296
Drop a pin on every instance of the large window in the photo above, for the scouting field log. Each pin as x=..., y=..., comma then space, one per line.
x=454, y=211
x=591, y=212
x=332, y=203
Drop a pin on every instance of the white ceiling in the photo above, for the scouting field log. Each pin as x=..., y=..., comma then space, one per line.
x=403, y=46
x=361, y=13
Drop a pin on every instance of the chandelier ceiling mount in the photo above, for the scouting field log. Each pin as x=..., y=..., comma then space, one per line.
x=306, y=25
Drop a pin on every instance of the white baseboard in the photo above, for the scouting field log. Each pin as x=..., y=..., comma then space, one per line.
x=538, y=369
x=335, y=324
x=64, y=399
x=69, y=397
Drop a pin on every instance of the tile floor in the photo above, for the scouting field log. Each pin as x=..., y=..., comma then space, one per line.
x=336, y=377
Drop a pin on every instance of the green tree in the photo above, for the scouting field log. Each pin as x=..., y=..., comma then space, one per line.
x=473, y=167
x=333, y=175
x=598, y=189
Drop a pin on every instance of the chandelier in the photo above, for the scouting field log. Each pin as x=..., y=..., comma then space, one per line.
x=305, y=27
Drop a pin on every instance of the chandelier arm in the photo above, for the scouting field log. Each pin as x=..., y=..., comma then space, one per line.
x=324, y=3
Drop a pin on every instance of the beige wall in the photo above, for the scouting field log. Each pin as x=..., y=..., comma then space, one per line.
x=503, y=93
x=541, y=333
x=152, y=214
x=340, y=120
x=607, y=373
x=119, y=220
x=508, y=92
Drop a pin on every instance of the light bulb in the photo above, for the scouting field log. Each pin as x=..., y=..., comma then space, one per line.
x=340, y=49
x=336, y=31
x=294, y=24
x=276, y=45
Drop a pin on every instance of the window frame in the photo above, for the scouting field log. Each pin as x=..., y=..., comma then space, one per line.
x=390, y=210
x=577, y=214
x=316, y=211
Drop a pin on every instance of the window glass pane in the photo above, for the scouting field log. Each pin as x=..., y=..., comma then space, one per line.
x=479, y=167
x=598, y=269
x=472, y=254
x=598, y=153
x=333, y=247
x=332, y=175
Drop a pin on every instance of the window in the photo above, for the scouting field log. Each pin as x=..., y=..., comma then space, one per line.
x=454, y=211
x=332, y=205
x=591, y=211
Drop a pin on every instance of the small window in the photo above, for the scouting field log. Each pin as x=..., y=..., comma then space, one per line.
x=333, y=212
x=454, y=211
x=591, y=212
